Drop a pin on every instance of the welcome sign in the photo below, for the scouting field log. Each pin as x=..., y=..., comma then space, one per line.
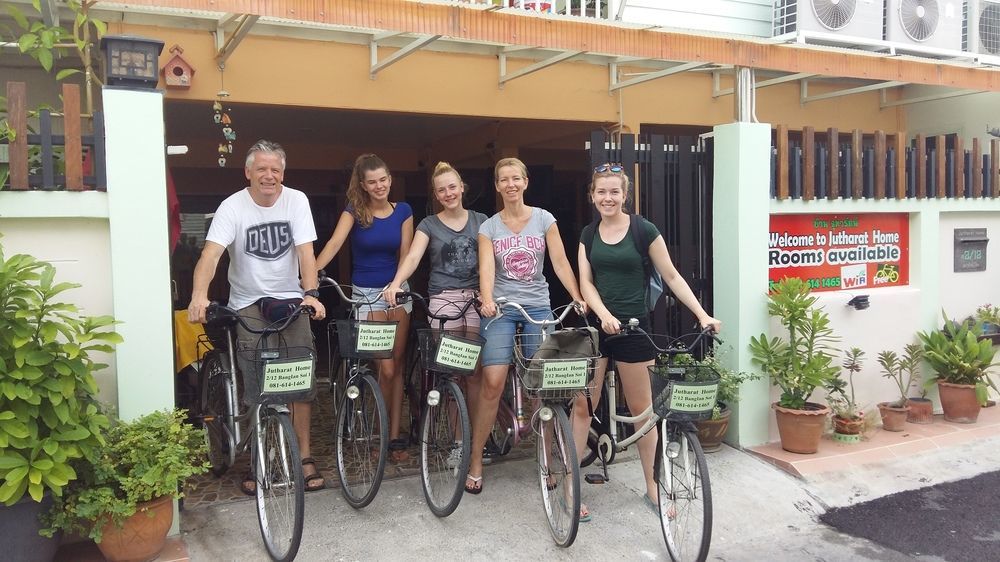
x=840, y=252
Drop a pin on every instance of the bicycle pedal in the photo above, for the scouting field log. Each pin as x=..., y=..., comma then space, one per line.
x=595, y=479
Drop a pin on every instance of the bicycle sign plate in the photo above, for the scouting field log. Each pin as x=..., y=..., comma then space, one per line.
x=565, y=374
x=288, y=375
x=693, y=397
x=458, y=354
x=375, y=336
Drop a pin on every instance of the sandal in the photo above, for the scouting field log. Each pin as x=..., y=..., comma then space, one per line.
x=477, y=484
x=249, y=484
x=312, y=478
x=671, y=514
x=397, y=450
x=585, y=515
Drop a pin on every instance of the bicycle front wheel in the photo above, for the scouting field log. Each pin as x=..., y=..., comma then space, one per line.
x=559, y=477
x=362, y=441
x=280, y=485
x=685, y=496
x=216, y=393
x=445, y=444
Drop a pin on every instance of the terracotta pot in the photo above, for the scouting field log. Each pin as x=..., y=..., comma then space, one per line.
x=959, y=402
x=712, y=432
x=846, y=426
x=893, y=417
x=142, y=536
x=921, y=410
x=800, y=430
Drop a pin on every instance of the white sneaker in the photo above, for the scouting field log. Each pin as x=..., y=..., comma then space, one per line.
x=455, y=456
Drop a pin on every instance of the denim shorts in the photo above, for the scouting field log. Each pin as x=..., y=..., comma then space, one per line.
x=449, y=303
x=499, y=334
x=373, y=295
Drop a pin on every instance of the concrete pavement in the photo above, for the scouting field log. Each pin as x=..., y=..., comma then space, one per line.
x=760, y=513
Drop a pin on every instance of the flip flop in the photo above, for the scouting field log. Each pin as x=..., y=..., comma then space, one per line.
x=656, y=508
x=397, y=451
x=477, y=484
x=310, y=487
x=585, y=515
x=249, y=485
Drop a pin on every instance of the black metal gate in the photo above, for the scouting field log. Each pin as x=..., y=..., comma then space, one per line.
x=674, y=179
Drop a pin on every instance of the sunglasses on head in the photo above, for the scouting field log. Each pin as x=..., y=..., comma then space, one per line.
x=613, y=168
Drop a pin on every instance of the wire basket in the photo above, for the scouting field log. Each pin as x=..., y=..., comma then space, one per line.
x=455, y=352
x=285, y=374
x=684, y=392
x=366, y=339
x=553, y=378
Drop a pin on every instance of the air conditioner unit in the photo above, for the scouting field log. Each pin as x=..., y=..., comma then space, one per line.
x=983, y=27
x=929, y=24
x=849, y=18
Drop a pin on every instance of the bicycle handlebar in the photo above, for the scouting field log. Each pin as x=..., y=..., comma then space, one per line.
x=502, y=302
x=401, y=297
x=212, y=313
x=325, y=282
x=675, y=347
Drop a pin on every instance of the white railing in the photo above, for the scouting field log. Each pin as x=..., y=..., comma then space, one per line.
x=596, y=9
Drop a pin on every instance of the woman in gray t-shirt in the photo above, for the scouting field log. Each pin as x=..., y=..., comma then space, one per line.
x=512, y=247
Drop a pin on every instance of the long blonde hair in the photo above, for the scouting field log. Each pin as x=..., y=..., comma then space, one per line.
x=356, y=194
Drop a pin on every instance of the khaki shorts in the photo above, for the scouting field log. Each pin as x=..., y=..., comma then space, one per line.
x=298, y=334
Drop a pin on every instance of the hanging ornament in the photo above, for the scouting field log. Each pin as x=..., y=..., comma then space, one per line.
x=221, y=117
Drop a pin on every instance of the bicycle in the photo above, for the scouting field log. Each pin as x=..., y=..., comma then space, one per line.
x=554, y=383
x=445, y=431
x=360, y=429
x=682, y=394
x=286, y=375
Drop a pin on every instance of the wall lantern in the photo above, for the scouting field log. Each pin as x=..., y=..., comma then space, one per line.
x=859, y=302
x=131, y=61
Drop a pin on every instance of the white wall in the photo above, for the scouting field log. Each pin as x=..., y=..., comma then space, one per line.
x=79, y=248
x=967, y=115
x=962, y=293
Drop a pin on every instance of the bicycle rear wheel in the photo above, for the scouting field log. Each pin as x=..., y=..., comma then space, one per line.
x=445, y=444
x=685, y=495
x=559, y=477
x=216, y=392
x=362, y=441
x=280, y=485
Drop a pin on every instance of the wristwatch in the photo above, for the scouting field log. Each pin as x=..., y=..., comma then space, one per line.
x=314, y=293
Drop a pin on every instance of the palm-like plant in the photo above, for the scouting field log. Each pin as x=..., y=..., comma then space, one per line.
x=958, y=356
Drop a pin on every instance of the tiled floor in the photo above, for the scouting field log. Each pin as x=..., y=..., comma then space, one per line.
x=881, y=445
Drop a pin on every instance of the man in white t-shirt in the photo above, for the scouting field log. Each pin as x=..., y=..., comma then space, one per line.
x=268, y=231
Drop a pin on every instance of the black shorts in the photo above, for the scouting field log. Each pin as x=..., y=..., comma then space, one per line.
x=629, y=349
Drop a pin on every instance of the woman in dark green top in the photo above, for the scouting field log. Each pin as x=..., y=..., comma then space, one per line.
x=613, y=284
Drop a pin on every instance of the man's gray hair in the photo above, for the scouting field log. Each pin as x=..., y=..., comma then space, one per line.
x=268, y=147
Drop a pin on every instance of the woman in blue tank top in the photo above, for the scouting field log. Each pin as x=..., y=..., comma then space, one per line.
x=381, y=232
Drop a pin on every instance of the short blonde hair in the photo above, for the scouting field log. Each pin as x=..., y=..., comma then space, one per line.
x=514, y=162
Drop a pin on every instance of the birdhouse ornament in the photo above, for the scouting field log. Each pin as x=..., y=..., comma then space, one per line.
x=221, y=117
x=177, y=73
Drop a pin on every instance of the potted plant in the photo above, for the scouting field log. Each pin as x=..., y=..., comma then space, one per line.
x=959, y=359
x=798, y=365
x=123, y=501
x=848, y=417
x=49, y=414
x=894, y=413
x=989, y=316
x=921, y=409
x=712, y=431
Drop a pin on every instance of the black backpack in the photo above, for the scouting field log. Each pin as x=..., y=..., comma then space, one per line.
x=654, y=288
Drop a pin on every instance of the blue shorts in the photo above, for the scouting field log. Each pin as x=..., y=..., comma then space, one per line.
x=499, y=334
x=373, y=296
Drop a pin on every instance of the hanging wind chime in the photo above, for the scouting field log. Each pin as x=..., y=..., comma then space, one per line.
x=224, y=121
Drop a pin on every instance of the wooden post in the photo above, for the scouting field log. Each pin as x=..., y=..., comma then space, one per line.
x=71, y=129
x=17, y=117
x=900, y=164
x=994, y=167
x=808, y=164
x=833, y=189
x=880, y=156
x=856, y=152
x=940, y=152
x=782, y=144
x=959, y=167
x=921, y=157
x=977, y=169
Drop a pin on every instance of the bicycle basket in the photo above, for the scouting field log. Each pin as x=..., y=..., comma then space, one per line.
x=454, y=352
x=562, y=366
x=285, y=374
x=366, y=339
x=684, y=392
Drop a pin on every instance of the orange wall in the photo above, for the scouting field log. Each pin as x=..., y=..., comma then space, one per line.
x=274, y=70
